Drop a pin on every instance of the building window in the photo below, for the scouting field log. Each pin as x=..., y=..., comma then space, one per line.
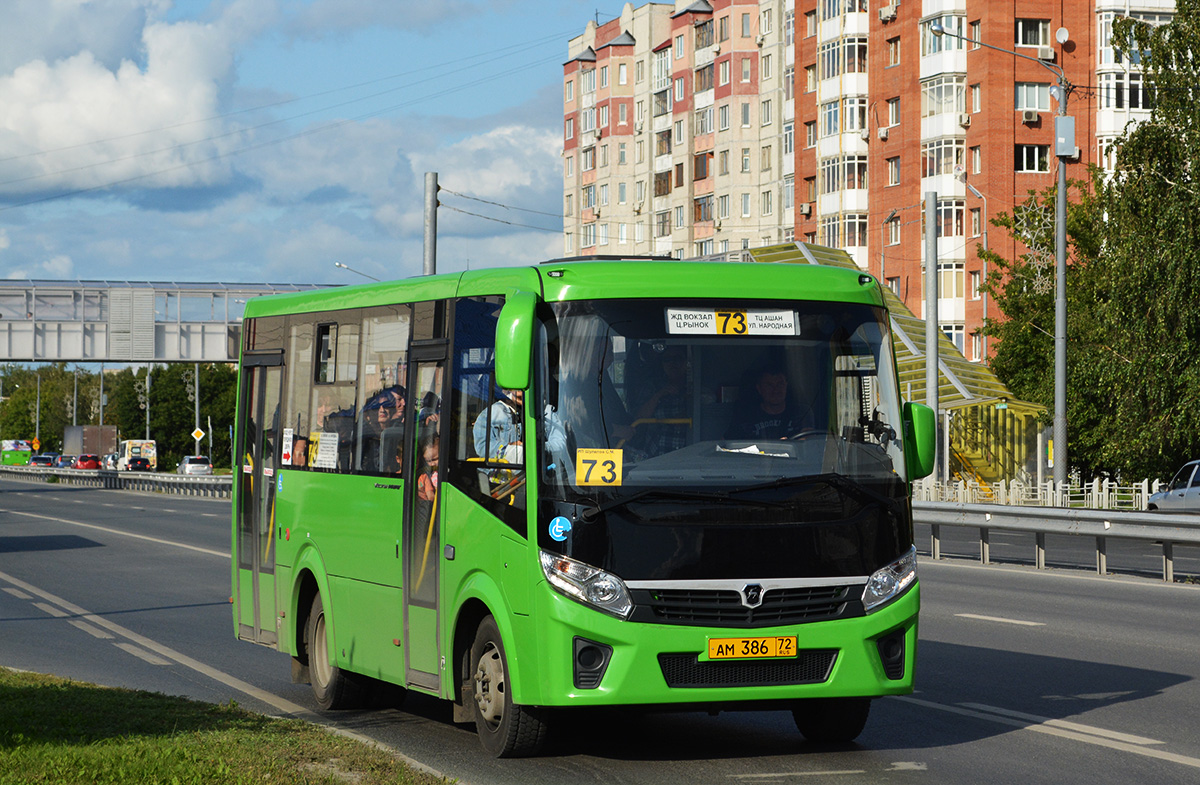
x=745, y=205
x=810, y=189
x=679, y=47
x=570, y=96
x=831, y=231
x=973, y=32
x=810, y=133
x=704, y=34
x=976, y=346
x=856, y=230
x=745, y=25
x=662, y=224
x=932, y=44
x=976, y=98
x=1033, y=158
x=854, y=114
x=789, y=27
x=941, y=156
x=604, y=76
x=830, y=118
x=587, y=159
x=893, y=171
x=679, y=89
x=622, y=73
x=789, y=191
x=745, y=69
x=621, y=154
x=1123, y=91
x=1032, y=95
x=678, y=132
x=745, y=114
x=603, y=194
x=679, y=217
x=893, y=110
x=723, y=206
x=766, y=112
x=702, y=209
x=976, y=160
x=893, y=232
x=704, y=121
x=679, y=175
x=569, y=128
x=810, y=78
x=976, y=292
x=639, y=71
x=723, y=117
x=766, y=67
x=704, y=78
x=567, y=205
x=700, y=165
x=950, y=224
x=943, y=94
x=587, y=81
x=789, y=138
x=570, y=166
x=602, y=234
x=662, y=143
x=604, y=155
x=622, y=234
x=745, y=159
x=765, y=158
x=810, y=24
x=1033, y=32
x=893, y=51
x=723, y=28
x=789, y=82
x=764, y=24
x=622, y=193
x=587, y=237
x=723, y=72
x=662, y=183
x=622, y=113
x=955, y=333
x=767, y=207
x=976, y=223
x=723, y=162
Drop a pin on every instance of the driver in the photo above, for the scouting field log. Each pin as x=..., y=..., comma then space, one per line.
x=773, y=415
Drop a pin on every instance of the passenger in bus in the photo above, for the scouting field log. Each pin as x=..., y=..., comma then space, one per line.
x=662, y=419
x=772, y=414
x=383, y=430
x=498, y=429
x=427, y=481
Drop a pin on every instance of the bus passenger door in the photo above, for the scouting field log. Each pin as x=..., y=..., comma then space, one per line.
x=422, y=546
x=255, y=476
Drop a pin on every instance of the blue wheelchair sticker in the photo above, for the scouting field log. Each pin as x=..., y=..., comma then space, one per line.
x=279, y=484
x=560, y=527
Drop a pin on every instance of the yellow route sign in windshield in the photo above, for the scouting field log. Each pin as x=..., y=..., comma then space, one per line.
x=598, y=467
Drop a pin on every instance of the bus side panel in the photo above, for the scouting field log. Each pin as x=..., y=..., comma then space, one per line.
x=366, y=635
x=491, y=565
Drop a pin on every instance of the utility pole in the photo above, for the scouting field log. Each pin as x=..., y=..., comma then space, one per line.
x=431, y=191
x=931, y=306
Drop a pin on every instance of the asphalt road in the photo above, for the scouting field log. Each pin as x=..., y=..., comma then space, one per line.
x=1056, y=676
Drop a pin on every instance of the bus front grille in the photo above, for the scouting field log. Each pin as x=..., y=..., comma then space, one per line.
x=724, y=608
x=686, y=670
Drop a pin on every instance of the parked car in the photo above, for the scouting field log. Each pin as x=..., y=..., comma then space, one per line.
x=46, y=459
x=1182, y=493
x=64, y=462
x=195, y=465
x=87, y=462
x=138, y=465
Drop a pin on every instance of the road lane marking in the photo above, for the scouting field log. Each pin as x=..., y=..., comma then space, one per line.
x=282, y=705
x=1110, y=734
x=142, y=654
x=159, y=540
x=95, y=632
x=1000, y=619
x=20, y=595
x=782, y=774
x=1096, y=736
x=50, y=609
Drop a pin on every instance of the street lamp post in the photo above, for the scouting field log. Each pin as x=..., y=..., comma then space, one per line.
x=351, y=269
x=1064, y=135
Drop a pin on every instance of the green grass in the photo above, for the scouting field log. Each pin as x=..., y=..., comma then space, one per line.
x=58, y=731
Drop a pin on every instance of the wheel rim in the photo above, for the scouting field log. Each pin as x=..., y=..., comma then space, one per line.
x=489, y=685
x=319, y=656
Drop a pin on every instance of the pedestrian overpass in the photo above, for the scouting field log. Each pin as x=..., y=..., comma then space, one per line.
x=125, y=321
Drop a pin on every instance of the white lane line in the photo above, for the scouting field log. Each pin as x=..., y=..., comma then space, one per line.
x=1108, y=734
x=1096, y=736
x=198, y=549
x=1000, y=619
x=782, y=774
x=20, y=595
x=95, y=632
x=141, y=654
x=50, y=609
x=283, y=705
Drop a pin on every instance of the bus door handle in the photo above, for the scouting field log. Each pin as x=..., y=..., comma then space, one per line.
x=449, y=552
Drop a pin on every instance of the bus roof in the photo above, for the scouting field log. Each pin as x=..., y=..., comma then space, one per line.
x=599, y=279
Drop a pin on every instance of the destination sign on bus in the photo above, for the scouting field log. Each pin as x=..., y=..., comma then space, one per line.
x=731, y=321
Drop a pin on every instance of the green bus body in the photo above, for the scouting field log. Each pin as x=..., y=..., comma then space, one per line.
x=15, y=452
x=353, y=538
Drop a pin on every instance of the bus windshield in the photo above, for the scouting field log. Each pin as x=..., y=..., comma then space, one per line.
x=736, y=415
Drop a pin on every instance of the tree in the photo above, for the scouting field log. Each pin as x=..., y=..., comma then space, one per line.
x=1133, y=281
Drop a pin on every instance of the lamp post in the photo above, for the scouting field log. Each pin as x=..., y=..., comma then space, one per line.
x=1064, y=132
x=351, y=269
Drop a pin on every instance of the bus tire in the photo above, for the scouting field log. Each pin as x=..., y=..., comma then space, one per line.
x=505, y=729
x=332, y=687
x=832, y=720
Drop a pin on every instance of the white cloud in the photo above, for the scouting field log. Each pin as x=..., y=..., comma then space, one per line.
x=59, y=266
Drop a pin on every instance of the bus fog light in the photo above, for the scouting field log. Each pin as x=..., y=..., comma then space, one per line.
x=890, y=581
x=586, y=584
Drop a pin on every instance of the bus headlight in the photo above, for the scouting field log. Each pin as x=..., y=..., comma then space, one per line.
x=890, y=581
x=589, y=585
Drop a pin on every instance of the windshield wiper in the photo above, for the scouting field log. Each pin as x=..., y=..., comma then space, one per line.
x=839, y=481
x=664, y=494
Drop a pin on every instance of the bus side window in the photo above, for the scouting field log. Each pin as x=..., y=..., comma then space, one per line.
x=495, y=477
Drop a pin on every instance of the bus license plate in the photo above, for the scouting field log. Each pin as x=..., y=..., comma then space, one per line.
x=742, y=648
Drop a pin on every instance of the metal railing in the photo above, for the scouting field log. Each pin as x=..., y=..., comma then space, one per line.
x=1102, y=525
x=179, y=484
x=1095, y=495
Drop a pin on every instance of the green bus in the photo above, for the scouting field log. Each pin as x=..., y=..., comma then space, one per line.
x=586, y=483
x=15, y=452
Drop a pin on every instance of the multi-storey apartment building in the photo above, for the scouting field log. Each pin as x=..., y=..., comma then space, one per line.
x=707, y=127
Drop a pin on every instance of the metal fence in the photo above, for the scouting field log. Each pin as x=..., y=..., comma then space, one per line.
x=1095, y=495
x=218, y=487
x=1166, y=530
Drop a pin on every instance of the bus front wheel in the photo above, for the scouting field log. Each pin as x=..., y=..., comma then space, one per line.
x=505, y=729
x=832, y=720
x=332, y=687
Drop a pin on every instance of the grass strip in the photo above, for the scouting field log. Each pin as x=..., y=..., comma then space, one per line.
x=59, y=731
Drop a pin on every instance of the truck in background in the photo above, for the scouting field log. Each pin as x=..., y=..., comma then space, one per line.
x=137, y=448
x=89, y=439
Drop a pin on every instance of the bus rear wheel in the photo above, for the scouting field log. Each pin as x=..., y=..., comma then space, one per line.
x=832, y=720
x=505, y=729
x=332, y=687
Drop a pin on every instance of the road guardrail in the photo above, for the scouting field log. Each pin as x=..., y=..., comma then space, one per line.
x=1167, y=529
x=181, y=484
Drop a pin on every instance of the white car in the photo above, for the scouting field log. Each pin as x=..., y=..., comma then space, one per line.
x=195, y=465
x=1182, y=494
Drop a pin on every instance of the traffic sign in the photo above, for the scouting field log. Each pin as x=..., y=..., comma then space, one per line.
x=197, y=434
x=37, y=445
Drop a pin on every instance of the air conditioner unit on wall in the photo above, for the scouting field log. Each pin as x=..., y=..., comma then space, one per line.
x=805, y=209
x=964, y=119
x=883, y=134
x=1029, y=116
x=887, y=13
x=1045, y=53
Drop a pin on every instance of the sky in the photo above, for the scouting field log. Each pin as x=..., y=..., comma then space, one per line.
x=264, y=140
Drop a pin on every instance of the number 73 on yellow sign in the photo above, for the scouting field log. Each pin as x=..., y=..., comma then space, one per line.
x=598, y=467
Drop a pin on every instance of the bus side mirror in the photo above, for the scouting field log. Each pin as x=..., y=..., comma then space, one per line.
x=514, y=340
x=920, y=440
